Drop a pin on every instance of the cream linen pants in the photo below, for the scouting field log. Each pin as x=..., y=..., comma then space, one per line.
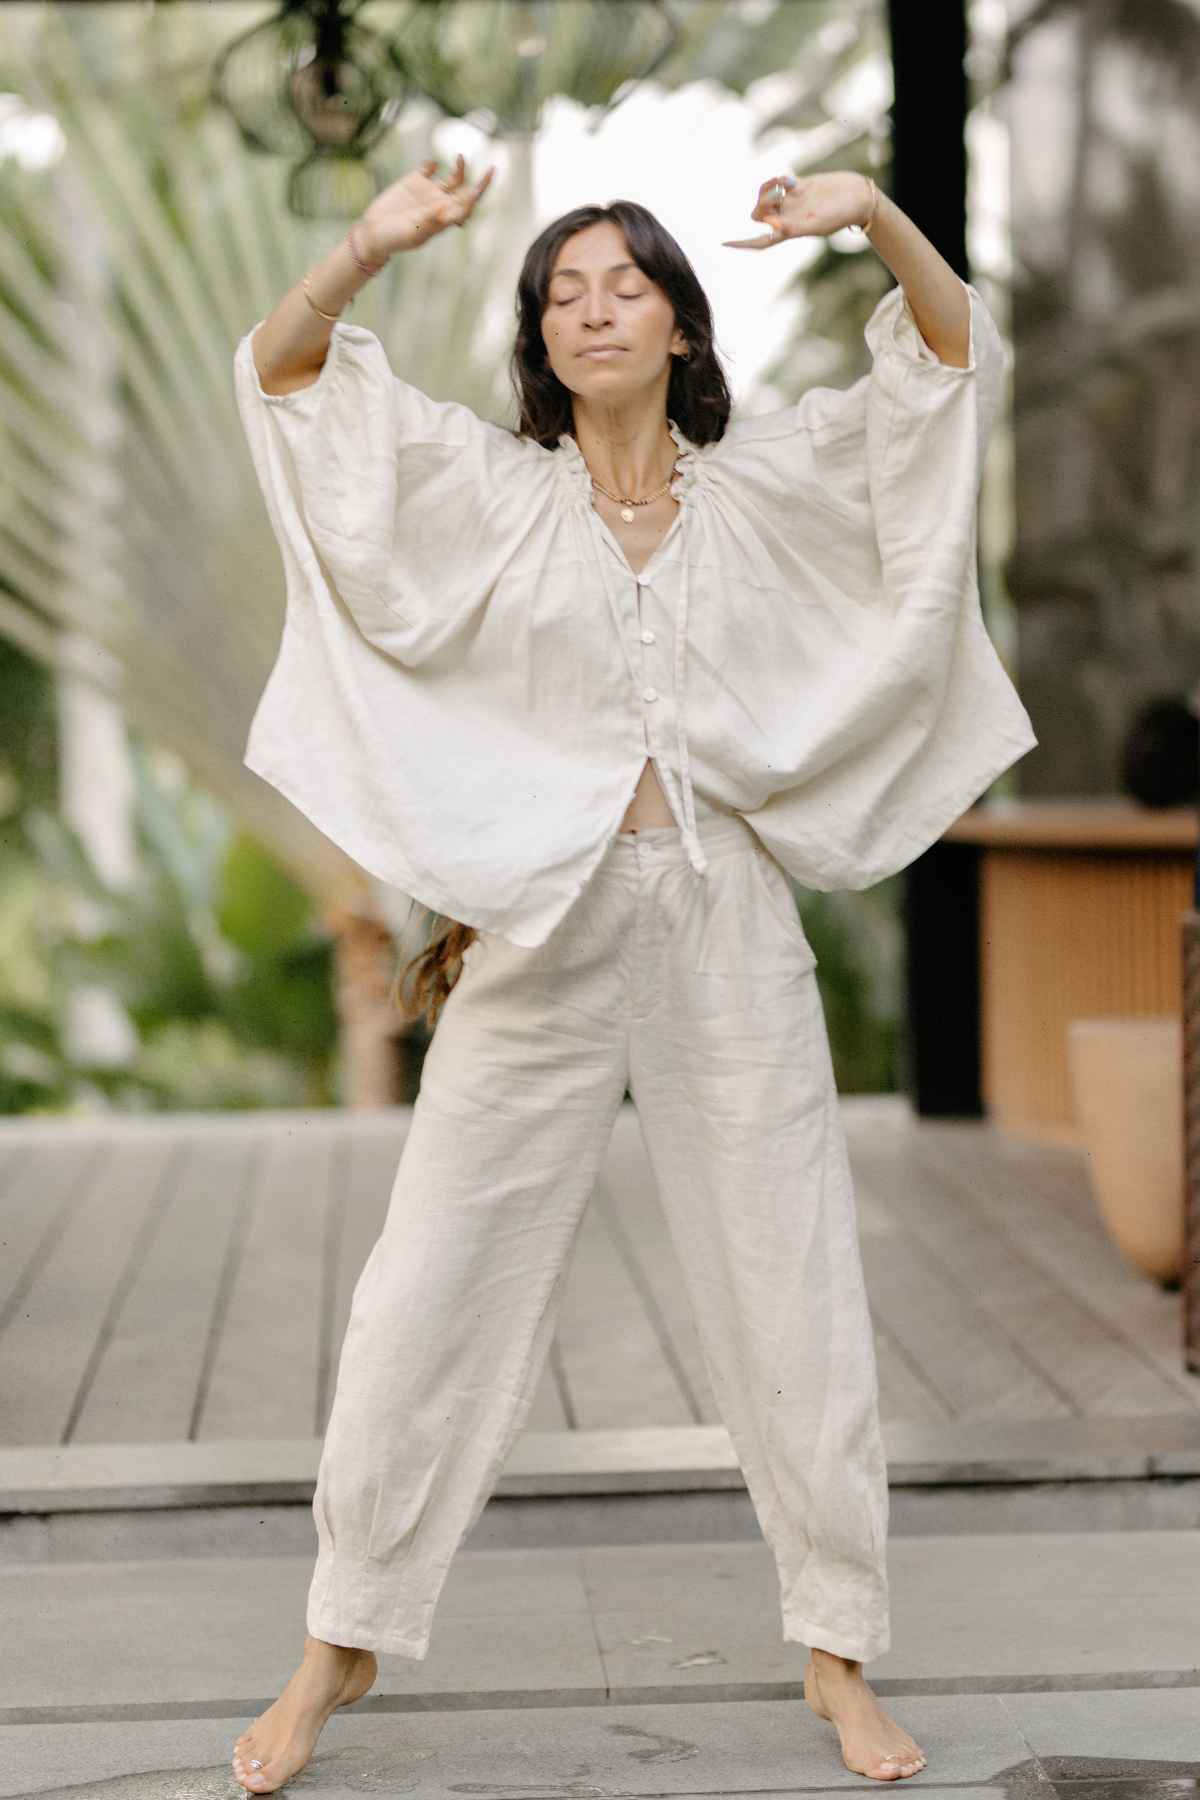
x=699, y=994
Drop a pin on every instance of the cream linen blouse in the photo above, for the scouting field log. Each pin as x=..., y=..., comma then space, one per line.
x=471, y=676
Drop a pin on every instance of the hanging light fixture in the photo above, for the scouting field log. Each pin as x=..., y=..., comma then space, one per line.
x=496, y=62
x=314, y=82
x=317, y=83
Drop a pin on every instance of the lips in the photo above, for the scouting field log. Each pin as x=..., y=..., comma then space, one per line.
x=601, y=350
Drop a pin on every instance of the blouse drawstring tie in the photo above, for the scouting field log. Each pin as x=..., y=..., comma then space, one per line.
x=683, y=489
x=696, y=856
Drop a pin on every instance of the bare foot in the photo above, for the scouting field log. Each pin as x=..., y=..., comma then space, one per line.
x=283, y=1738
x=872, y=1743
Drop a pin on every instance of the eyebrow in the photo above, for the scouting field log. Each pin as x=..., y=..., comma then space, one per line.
x=611, y=270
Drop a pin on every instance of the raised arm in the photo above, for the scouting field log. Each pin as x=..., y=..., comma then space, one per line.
x=291, y=344
x=818, y=205
x=939, y=301
x=393, y=510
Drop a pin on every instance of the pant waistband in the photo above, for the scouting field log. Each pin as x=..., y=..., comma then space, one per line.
x=718, y=833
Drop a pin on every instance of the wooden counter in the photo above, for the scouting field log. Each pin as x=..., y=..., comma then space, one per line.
x=1080, y=910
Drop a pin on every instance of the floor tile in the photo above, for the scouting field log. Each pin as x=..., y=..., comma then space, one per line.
x=1144, y=1733
x=767, y=1748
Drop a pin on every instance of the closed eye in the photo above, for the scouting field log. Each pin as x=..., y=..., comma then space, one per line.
x=567, y=301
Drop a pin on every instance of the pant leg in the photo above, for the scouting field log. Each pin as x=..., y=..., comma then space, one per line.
x=455, y=1308
x=733, y=1082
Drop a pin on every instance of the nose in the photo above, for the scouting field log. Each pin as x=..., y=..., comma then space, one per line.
x=597, y=310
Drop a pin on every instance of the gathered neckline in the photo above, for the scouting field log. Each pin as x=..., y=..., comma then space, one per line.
x=570, y=459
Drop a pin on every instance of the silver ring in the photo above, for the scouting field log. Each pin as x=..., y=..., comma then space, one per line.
x=254, y=1763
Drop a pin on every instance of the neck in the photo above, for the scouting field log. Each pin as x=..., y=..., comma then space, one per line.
x=631, y=462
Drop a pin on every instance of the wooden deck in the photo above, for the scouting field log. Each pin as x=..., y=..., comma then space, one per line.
x=176, y=1279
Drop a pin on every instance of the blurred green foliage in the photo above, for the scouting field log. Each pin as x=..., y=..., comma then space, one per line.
x=212, y=952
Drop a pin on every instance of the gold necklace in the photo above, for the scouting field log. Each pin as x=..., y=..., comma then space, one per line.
x=625, y=502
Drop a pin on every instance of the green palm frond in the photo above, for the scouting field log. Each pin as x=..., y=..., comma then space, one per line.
x=130, y=518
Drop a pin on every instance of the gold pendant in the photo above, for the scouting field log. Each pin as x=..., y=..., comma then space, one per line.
x=627, y=514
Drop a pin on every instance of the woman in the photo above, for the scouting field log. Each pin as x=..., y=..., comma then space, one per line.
x=590, y=690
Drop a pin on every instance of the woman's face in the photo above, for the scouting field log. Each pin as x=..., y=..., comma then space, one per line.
x=598, y=295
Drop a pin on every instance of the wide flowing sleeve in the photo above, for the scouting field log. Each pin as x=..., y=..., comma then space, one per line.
x=396, y=507
x=398, y=518
x=905, y=711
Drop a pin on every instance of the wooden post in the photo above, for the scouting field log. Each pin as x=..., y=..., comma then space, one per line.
x=1191, y=1129
x=370, y=1027
x=929, y=181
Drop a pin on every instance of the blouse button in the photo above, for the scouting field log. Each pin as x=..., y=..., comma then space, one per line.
x=647, y=637
x=650, y=693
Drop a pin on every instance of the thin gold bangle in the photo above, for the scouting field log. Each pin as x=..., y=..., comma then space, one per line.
x=867, y=223
x=313, y=304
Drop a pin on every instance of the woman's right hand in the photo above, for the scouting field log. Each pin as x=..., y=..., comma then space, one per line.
x=415, y=208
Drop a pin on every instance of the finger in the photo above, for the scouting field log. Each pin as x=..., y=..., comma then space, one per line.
x=758, y=243
x=769, y=200
x=476, y=194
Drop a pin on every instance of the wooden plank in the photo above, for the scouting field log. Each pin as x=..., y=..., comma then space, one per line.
x=14, y=1157
x=263, y=1376
x=1042, y=1193
x=55, y=1335
x=42, y=1182
x=905, y=1394
x=964, y=1356
x=152, y=1366
x=365, y=1171
x=615, y=1370
x=1096, y=1373
x=367, y=1174
x=136, y=1304
x=364, y=1178
x=547, y=1409
x=640, y=1227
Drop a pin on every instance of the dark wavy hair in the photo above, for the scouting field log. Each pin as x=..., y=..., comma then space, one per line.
x=698, y=400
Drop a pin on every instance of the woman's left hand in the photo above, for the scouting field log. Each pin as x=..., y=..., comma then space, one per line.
x=814, y=206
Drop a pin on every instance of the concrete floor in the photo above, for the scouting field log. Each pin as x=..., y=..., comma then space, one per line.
x=1023, y=1664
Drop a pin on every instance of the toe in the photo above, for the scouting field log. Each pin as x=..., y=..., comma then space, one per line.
x=895, y=1768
